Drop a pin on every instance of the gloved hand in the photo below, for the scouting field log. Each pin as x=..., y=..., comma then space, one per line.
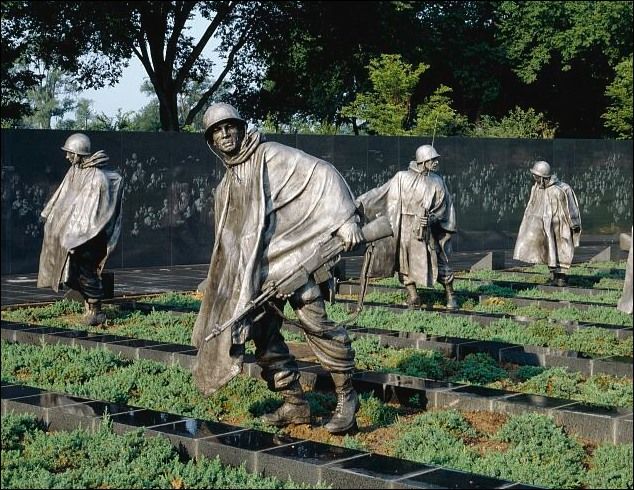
x=350, y=233
x=427, y=220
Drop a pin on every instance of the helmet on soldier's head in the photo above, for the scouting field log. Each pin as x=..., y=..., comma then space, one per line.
x=541, y=169
x=426, y=152
x=219, y=112
x=77, y=143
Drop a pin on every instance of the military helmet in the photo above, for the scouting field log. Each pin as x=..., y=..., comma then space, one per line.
x=220, y=112
x=426, y=152
x=541, y=169
x=77, y=143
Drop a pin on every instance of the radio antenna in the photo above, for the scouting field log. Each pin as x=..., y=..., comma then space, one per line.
x=433, y=136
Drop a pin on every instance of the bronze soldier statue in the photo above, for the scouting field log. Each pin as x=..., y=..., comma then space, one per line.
x=82, y=226
x=422, y=214
x=551, y=227
x=625, y=302
x=272, y=208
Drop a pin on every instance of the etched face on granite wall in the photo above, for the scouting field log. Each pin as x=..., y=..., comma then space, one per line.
x=169, y=183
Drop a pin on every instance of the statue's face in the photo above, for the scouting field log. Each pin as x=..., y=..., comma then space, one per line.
x=227, y=137
x=539, y=180
x=432, y=165
x=71, y=157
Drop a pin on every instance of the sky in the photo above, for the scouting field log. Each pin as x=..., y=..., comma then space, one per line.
x=127, y=94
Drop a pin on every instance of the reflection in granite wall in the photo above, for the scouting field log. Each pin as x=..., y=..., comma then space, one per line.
x=170, y=181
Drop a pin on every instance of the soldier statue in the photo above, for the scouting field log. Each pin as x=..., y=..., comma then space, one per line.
x=625, y=302
x=421, y=211
x=272, y=207
x=551, y=226
x=82, y=226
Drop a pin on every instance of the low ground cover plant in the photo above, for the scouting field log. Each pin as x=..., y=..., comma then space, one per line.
x=528, y=448
x=500, y=301
x=522, y=449
x=35, y=458
x=470, y=289
x=165, y=327
x=482, y=369
x=601, y=275
x=542, y=333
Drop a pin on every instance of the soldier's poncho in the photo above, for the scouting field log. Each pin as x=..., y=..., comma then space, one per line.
x=546, y=235
x=625, y=302
x=402, y=199
x=272, y=207
x=87, y=202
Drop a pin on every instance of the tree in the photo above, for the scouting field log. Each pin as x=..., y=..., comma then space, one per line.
x=94, y=41
x=388, y=110
x=436, y=116
x=565, y=53
x=618, y=117
x=387, y=107
x=518, y=123
x=16, y=79
x=51, y=98
x=318, y=64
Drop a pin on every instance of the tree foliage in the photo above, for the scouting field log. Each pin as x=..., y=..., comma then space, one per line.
x=95, y=40
x=50, y=98
x=518, y=123
x=618, y=117
x=297, y=64
x=565, y=54
x=386, y=108
x=436, y=116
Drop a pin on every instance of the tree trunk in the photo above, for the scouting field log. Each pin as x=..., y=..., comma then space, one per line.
x=168, y=108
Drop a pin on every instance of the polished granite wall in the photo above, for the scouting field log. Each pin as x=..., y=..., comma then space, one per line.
x=170, y=180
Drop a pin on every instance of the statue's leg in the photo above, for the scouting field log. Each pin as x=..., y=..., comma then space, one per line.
x=331, y=344
x=279, y=370
x=413, y=299
x=85, y=261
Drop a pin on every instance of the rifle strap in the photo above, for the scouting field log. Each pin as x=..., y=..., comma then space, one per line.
x=367, y=263
x=363, y=282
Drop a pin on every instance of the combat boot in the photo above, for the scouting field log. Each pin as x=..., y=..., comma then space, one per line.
x=452, y=302
x=413, y=299
x=295, y=409
x=561, y=280
x=93, y=315
x=344, y=419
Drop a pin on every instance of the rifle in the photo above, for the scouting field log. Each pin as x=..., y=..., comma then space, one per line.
x=318, y=263
x=423, y=233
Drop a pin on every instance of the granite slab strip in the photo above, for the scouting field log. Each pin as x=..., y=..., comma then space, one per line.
x=540, y=286
x=615, y=365
x=53, y=408
x=442, y=478
x=353, y=288
x=547, y=304
x=423, y=393
x=470, y=397
x=186, y=434
x=623, y=432
x=371, y=470
x=605, y=424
